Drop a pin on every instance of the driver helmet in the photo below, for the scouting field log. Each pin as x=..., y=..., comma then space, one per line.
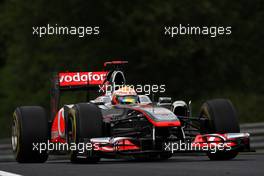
x=124, y=95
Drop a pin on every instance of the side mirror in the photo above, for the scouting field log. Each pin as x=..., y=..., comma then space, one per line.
x=164, y=101
x=144, y=99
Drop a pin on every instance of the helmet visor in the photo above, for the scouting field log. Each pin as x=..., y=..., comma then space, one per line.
x=130, y=99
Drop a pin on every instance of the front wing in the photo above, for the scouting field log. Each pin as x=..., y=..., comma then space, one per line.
x=202, y=143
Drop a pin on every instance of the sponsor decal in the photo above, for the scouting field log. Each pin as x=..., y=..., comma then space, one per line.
x=81, y=78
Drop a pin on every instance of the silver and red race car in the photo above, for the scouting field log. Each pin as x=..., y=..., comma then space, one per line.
x=141, y=129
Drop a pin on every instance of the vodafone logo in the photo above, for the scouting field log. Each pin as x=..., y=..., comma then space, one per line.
x=81, y=78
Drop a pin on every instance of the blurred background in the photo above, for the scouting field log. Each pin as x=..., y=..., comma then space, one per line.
x=193, y=68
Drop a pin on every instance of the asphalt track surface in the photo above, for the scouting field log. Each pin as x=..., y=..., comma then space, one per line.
x=246, y=164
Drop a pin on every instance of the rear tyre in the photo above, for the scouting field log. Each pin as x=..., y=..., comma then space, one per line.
x=222, y=119
x=29, y=128
x=84, y=122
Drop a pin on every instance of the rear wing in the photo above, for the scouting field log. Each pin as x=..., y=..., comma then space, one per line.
x=71, y=81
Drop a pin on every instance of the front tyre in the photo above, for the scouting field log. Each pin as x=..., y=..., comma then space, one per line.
x=84, y=122
x=222, y=118
x=29, y=129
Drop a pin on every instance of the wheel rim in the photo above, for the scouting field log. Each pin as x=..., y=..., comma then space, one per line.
x=15, y=134
x=72, y=135
x=71, y=130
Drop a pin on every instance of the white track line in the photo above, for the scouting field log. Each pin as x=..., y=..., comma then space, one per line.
x=3, y=173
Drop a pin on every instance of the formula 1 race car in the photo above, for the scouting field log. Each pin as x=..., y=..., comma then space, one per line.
x=121, y=123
